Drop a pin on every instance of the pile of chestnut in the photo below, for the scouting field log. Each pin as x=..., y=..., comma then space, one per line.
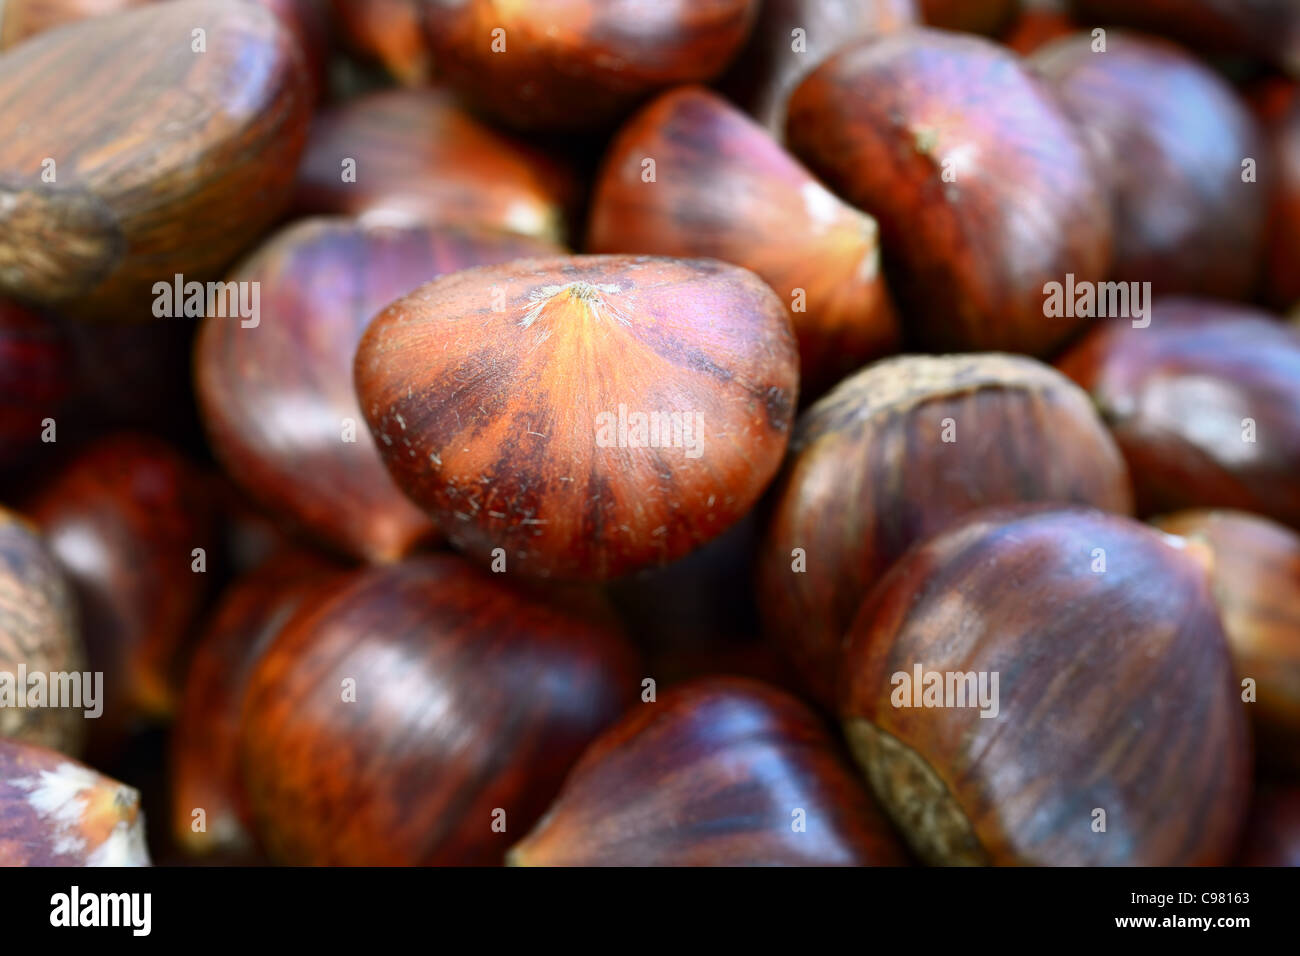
x=816, y=432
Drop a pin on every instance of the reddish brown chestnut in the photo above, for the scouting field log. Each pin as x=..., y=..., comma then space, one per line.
x=389, y=31
x=979, y=209
x=1273, y=830
x=130, y=521
x=579, y=64
x=1179, y=150
x=120, y=182
x=1039, y=25
x=975, y=16
x=57, y=812
x=424, y=714
x=34, y=359
x=898, y=452
x=415, y=155
x=717, y=772
x=1256, y=582
x=39, y=641
x=1049, y=688
x=276, y=391
x=1204, y=403
x=582, y=417
x=722, y=188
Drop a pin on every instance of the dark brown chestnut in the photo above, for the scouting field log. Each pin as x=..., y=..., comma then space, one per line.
x=1284, y=231
x=582, y=417
x=55, y=811
x=276, y=392
x=131, y=523
x=979, y=209
x=1181, y=153
x=1256, y=579
x=896, y=453
x=39, y=642
x=414, y=155
x=1050, y=687
x=1273, y=829
x=424, y=714
x=722, y=188
x=974, y=16
x=583, y=63
x=1204, y=403
x=389, y=31
x=118, y=182
x=34, y=381
x=716, y=772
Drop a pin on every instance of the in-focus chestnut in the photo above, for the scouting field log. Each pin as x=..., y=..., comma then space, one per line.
x=1204, y=403
x=586, y=416
x=55, y=811
x=1273, y=829
x=1172, y=140
x=424, y=714
x=896, y=453
x=39, y=638
x=118, y=180
x=390, y=32
x=1050, y=687
x=415, y=155
x=582, y=63
x=277, y=396
x=723, y=188
x=716, y=772
x=979, y=209
x=34, y=380
x=1256, y=580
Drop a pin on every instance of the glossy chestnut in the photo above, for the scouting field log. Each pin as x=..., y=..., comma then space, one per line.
x=1204, y=403
x=276, y=392
x=55, y=811
x=34, y=385
x=582, y=417
x=39, y=638
x=896, y=453
x=1049, y=687
x=120, y=182
x=715, y=772
x=425, y=713
x=979, y=209
x=1256, y=580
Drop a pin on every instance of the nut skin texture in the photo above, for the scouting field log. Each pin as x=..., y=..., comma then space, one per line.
x=204, y=769
x=1284, y=237
x=883, y=120
x=275, y=397
x=710, y=775
x=580, y=64
x=148, y=184
x=869, y=474
x=1169, y=137
x=470, y=698
x=38, y=629
x=1176, y=396
x=767, y=71
x=724, y=189
x=1116, y=692
x=1273, y=830
x=123, y=519
x=505, y=425
x=55, y=811
x=388, y=31
x=1256, y=581
x=973, y=16
x=34, y=384
x=421, y=158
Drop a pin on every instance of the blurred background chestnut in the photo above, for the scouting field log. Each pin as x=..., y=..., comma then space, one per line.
x=1273, y=830
x=388, y=31
x=34, y=380
x=1284, y=236
x=975, y=16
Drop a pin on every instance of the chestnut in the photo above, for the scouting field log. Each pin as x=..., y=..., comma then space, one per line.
x=131, y=523
x=119, y=182
x=1256, y=580
x=896, y=453
x=580, y=64
x=389, y=31
x=39, y=637
x=979, y=209
x=716, y=772
x=974, y=16
x=724, y=189
x=276, y=394
x=1043, y=686
x=415, y=156
x=34, y=384
x=1273, y=829
x=20, y=19
x=1172, y=139
x=1204, y=403
x=582, y=417
x=1284, y=232
x=777, y=57
x=424, y=713
x=1038, y=25
x=55, y=811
